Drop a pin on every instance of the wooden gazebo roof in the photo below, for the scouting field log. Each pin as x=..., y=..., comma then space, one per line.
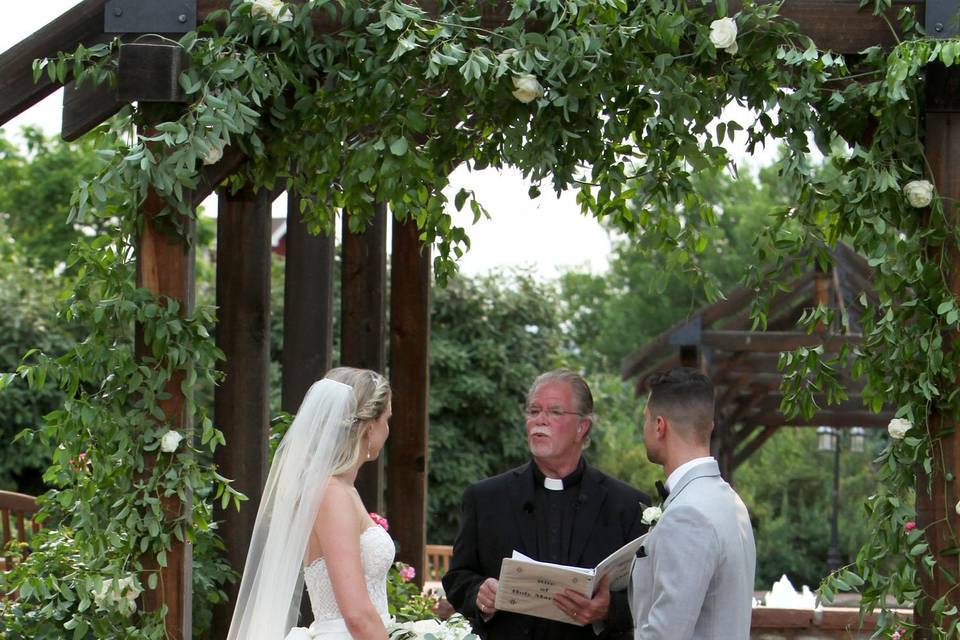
x=742, y=362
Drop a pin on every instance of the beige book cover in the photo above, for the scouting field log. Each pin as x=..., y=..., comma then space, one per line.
x=528, y=586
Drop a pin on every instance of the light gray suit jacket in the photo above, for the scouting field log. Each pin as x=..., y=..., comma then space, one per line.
x=696, y=579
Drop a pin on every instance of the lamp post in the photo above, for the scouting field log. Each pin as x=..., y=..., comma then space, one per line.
x=828, y=440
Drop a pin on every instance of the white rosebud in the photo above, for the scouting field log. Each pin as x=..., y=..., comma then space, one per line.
x=919, y=193
x=723, y=34
x=957, y=508
x=273, y=9
x=898, y=428
x=170, y=441
x=651, y=515
x=527, y=89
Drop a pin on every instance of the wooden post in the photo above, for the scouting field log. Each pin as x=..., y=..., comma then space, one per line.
x=362, y=325
x=410, y=380
x=307, y=307
x=935, y=511
x=242, y=400
x=165, y=267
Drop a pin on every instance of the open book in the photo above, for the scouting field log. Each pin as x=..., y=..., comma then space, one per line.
x=528, y=586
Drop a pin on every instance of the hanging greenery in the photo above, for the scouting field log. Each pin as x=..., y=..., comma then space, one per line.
x=623, y=102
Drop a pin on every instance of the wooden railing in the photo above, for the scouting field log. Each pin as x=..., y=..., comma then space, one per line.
x=16, y=523
x=437, y=561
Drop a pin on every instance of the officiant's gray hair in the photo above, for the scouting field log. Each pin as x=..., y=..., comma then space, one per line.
x=581, y=392
x=372, y=393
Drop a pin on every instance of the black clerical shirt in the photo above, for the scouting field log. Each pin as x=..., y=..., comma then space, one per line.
x=555, y=511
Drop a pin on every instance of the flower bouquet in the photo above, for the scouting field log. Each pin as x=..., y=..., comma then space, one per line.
x=456, y=627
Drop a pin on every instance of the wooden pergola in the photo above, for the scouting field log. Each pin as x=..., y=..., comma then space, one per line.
x=742, y=362
x=243, y=247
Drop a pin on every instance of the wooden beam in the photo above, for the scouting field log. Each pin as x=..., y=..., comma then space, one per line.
x=85, y=107
x=747, y=450
x=307, y=307
x=82, y=24
x=363, y=325
x=843, y=26
x=939, y=491
x=839, y=419
x=774, y=341
x=165, y=266
x=410, y=379
x=212, y=176
x=828, y=22
x=242, y=399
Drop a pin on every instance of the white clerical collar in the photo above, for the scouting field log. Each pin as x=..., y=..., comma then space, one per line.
x=680, y=471
x=553, y=484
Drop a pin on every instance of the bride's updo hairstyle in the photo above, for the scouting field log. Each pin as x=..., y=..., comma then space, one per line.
x=372, y=393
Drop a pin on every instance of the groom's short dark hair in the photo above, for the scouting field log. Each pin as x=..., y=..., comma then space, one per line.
x=683, y=395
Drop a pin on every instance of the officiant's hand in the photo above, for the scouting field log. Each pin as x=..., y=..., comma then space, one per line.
x=487, y=597
x=585, y=610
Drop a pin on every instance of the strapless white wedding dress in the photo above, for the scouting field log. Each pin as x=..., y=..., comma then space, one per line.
x=376, y=555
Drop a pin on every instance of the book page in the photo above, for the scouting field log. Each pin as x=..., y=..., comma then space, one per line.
x=618, y=564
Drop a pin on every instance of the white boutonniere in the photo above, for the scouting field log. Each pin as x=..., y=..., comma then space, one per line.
x=651, y=515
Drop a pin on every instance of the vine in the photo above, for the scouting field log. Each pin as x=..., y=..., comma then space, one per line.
x=621, y=101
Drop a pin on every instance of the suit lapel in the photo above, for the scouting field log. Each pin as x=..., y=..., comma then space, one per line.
x=593, y=493
x=706, y=469
x=523, y=509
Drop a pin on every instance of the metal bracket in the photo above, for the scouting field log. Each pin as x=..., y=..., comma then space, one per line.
x=942, y=18
x=149, y=16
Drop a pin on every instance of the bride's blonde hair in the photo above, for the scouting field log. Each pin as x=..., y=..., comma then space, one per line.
x=372, y=394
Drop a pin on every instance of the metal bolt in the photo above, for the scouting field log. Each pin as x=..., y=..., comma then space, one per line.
x=182, y=18
x=938, y=27
x=118, y=12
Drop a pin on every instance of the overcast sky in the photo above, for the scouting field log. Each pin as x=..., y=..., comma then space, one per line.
x=547, y=234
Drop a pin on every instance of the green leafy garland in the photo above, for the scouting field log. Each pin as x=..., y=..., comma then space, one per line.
x=622, y=101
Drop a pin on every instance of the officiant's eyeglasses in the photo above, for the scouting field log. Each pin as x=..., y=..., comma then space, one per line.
x=553, y=413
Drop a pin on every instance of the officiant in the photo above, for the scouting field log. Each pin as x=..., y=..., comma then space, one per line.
x=558, y=509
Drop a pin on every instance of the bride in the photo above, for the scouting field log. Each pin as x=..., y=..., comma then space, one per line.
x=311, y=518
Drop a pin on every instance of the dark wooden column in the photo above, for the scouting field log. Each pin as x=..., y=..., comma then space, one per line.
x=242, y=400
x=935, y=511
x=307, y=307
x=362, y=324
x=410, y=379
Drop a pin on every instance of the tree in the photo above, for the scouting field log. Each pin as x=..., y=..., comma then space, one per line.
x=27, y=321
x=491, y=337
x=36, y=186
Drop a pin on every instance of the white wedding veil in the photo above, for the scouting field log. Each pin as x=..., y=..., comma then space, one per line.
x=268, y=602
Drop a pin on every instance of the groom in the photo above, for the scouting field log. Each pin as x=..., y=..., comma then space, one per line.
x=555, y=509
x=693, y=579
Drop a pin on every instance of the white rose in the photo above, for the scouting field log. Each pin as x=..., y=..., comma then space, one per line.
x=170, y=441
x=651, y=515
x=527, y=89
x=723, y=34
x=919, y=193
x=273, y=9
x=212, y=155
x=898, y=428
x=957, y=508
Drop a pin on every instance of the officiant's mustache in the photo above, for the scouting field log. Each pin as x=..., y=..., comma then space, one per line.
x=539, y=431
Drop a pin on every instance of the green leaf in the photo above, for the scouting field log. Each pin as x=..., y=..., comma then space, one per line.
x=399, y=146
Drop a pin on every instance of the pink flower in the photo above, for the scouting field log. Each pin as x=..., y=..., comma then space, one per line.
x=910, y=526
x=899, y=634
x=408, y=573
x=380, y=520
